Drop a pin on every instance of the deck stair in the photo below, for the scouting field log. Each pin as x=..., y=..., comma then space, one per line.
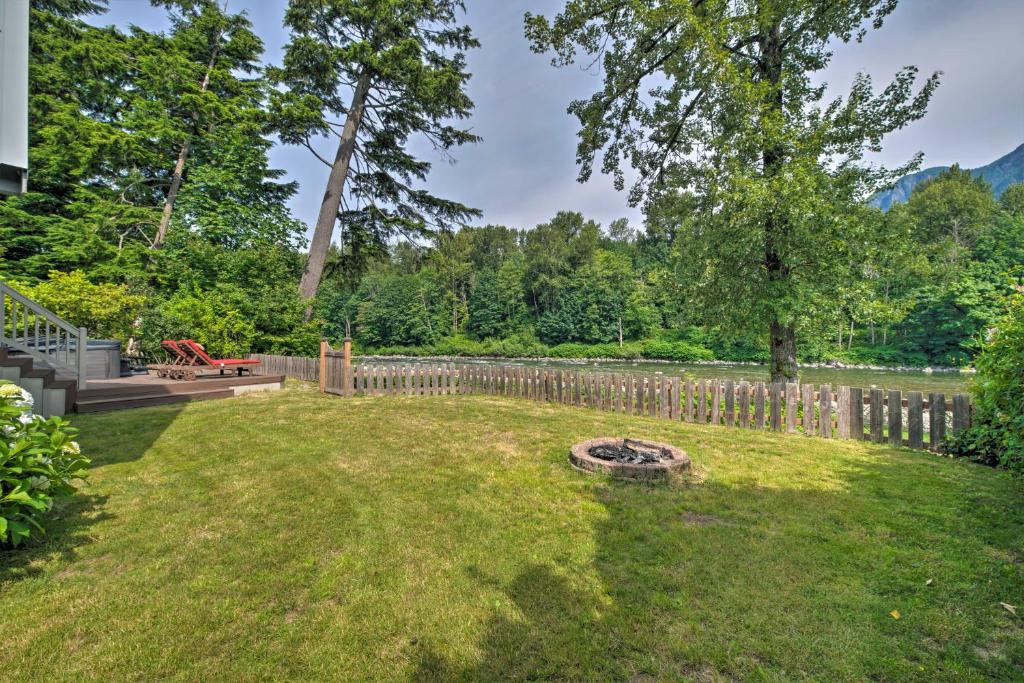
x=41, y=352
x=51, y=394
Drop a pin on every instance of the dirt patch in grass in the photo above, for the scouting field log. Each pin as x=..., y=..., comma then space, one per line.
x=698, y=519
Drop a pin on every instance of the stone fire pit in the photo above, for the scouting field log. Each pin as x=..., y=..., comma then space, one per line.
x=629, y=458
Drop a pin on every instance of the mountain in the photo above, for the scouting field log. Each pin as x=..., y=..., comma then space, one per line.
x=1000, y=174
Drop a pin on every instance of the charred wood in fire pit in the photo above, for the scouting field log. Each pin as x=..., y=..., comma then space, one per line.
x=631, y=452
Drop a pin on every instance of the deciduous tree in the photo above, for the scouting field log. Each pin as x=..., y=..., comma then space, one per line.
x=719, y=99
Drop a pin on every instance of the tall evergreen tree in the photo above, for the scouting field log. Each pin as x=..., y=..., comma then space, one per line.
x=391, y=69
x=213, y=57
x=718, y=98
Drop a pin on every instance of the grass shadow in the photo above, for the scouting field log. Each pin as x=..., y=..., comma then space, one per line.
x=107, y=438
x=116, y=437
x=67, y=529
x=676, y=566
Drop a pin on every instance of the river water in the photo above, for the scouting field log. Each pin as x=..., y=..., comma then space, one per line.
x=911, y=380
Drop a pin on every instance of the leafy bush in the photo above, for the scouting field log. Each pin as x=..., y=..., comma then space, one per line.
x=890, y=355
x=38, y=461
x=206, y=317
x=679, y=351
x=997, y=435
x=107, y=311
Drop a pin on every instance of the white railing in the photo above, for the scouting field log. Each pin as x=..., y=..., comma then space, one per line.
x=27, y=327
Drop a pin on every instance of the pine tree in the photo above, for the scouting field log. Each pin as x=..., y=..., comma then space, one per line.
x=391, y=69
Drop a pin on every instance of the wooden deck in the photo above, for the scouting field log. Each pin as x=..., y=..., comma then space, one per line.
x=140, y=391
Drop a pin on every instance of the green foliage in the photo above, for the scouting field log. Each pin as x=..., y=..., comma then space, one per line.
x=383, y=73
x=1012, y=200
x=486, y=314
x=395, y=311
x=718, y=109
x=997, y=435
x=38, y=462
x=108, y=311
x=111, y=113
x=208, y=317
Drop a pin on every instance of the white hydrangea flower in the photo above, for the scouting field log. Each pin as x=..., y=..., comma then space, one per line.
x=10, y=390
x=72, y=448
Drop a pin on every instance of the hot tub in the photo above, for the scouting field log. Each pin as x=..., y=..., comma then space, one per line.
x=102, y=357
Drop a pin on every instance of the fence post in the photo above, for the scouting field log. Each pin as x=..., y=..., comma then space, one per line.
x=758, y=405
x=730, y=403
x=775, y=406
x=346, y=366
x=843, y=412
x=808, y=405
x=792, y=391
x=324, y=346
x=825, y=411
x=876, y=426
x=744, y=404
x=937, y=422
x=895, y=418
x=702, y=402
x=856, y=413
x=915, y=419
x=961, y=412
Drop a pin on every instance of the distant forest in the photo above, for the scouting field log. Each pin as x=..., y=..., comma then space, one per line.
x=570, y=288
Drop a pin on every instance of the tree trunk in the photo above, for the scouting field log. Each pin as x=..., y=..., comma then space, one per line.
x=179, y=167
x=172, y=195
x=849, y=338
x=782, y=334
x=620, y=333
x=783, y=363
x=331, y=202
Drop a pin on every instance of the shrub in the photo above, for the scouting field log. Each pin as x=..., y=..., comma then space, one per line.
x=679, y=351
x=38, y=461
x=997, y=435
x=107, y=311
x=206, y=317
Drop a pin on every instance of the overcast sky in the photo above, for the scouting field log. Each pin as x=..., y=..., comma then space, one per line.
x=525, y=171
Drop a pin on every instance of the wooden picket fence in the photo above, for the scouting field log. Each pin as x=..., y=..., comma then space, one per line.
x=892, y=417
x=306, y=369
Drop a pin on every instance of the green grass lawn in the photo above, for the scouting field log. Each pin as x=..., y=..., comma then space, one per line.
x=307, y=537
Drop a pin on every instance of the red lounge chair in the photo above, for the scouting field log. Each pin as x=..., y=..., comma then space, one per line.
x=179, y=364
x=200, y=357
x=175, y=354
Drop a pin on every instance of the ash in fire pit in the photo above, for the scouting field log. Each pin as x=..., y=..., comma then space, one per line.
x=629, y=458
x=629, y=451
